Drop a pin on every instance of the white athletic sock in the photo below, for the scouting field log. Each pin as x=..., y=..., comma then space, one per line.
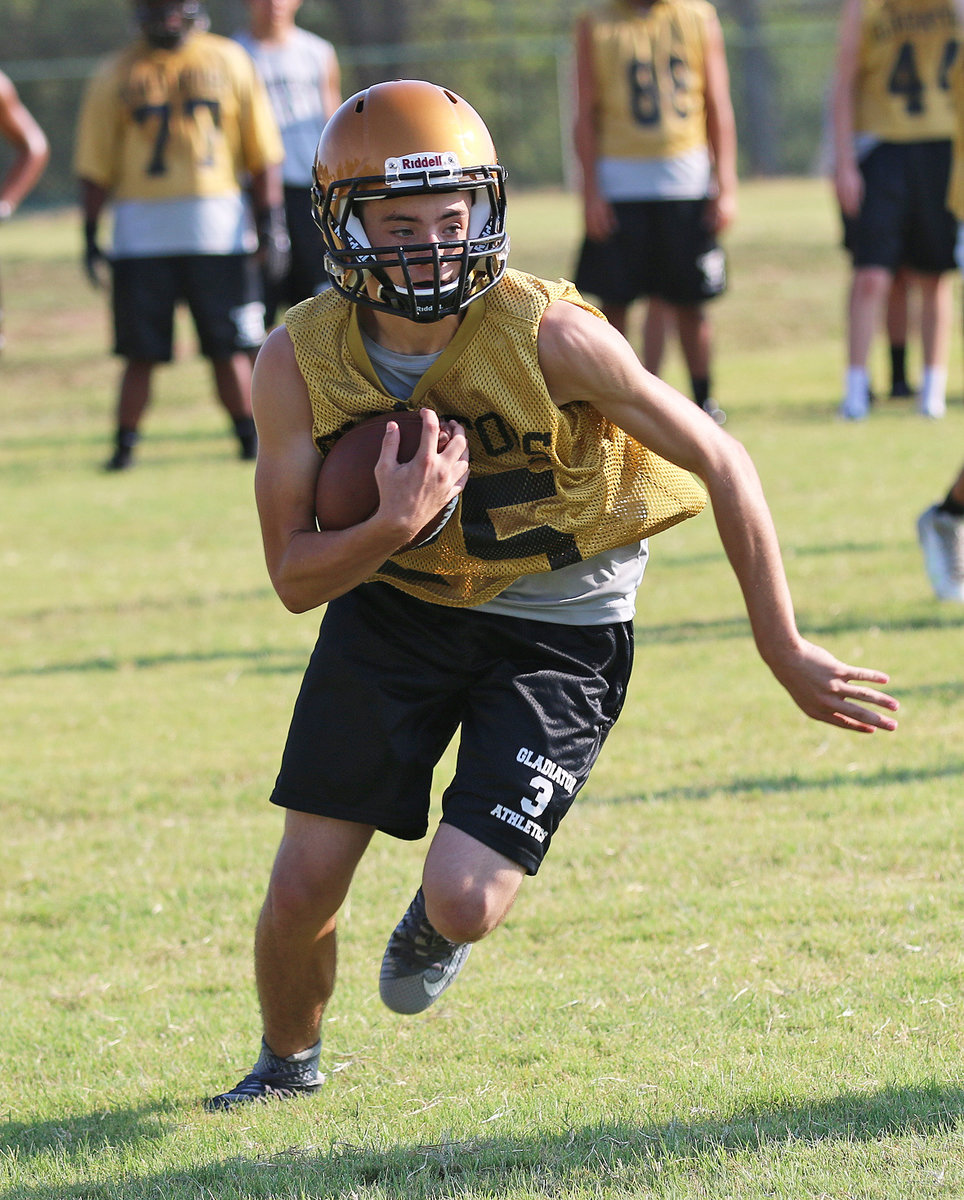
x=856, y=388
x=933, y=392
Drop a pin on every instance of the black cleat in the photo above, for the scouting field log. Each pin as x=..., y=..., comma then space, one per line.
x=258, y=1088
x=121, y=460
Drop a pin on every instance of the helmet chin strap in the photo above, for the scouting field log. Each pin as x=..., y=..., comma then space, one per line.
x=401, y=299
x=387, y=289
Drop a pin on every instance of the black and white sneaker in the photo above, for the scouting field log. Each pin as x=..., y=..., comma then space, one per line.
x=419, y=963
x=257, y=1087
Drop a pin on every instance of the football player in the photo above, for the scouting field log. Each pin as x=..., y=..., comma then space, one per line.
x=171, y=130
x=893, y=124
x=303, y=78
x=515, y=625
x=655, y=137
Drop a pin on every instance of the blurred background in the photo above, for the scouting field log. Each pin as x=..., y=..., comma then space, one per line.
x=510, y=59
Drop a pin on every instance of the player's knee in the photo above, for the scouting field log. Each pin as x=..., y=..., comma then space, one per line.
x=299, y=898
x=467, y=915
x=871, y=283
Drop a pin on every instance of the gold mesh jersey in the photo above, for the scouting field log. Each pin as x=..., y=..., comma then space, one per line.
x=165, y=124
x=547, y=486
x=648, y=67
x=907, y=49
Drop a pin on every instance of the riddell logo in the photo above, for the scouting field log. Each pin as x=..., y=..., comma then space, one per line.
x=421, y=162
x=436, y=165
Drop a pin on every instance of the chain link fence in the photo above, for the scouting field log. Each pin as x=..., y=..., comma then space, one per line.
x=523, y=87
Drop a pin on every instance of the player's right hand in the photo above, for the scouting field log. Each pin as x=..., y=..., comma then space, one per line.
x=96, y=264
x=274, y=244
x=849, y=185
x=600, y=218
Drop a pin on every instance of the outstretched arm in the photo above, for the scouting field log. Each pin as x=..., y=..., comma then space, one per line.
x=585, y=359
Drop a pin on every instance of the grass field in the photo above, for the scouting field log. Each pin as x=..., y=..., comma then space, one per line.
x=739, y=974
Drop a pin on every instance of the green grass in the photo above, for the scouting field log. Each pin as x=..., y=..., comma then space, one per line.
x=739, y=973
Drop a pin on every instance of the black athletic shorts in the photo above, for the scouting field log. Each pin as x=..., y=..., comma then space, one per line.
x=223, y=292
x=392, y=678
x=904, y=220
x=662, y=248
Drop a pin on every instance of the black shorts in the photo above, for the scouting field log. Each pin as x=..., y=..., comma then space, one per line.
x=392, y=678
x=306, y=275
x=223, y=292
x=904, y=220
x=662, y=248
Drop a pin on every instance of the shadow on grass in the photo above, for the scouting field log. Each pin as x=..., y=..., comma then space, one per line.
x=882, y=778
x=258, y=662
x=145, y=604
x=284, y=661
x=673, y=560
x=534, y=1162
x=727, y=628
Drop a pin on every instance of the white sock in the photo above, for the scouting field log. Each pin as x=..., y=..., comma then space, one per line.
x=856, y=387
x=933, y=392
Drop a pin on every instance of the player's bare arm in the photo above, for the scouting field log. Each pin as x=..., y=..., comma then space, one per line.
x=331, y=86
x=30, y=147
x=720, y=127
x=585, y=359
x=307, y=567
x=848, y=180
x=598, y=214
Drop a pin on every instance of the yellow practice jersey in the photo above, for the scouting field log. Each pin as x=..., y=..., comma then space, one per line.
x=547, y=486
x=162, y=124
x=907, y=50
x=650, y=79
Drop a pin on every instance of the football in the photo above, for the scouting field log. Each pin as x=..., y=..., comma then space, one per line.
x=347, y=492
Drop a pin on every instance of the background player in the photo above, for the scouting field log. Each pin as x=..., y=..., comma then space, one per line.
x=940, y=528
x=515, y=624
x=303, y=78
x=892, y=126
x=30, y=154
x=168, y=131
x=940, y=531
x=656, y=141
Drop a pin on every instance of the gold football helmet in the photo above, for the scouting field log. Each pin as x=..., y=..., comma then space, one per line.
x=400, y=138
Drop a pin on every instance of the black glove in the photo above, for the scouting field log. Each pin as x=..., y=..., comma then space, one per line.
x=96, y=262
x=274, y=245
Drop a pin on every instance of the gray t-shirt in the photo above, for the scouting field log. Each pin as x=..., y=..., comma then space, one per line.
x=295, y=74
